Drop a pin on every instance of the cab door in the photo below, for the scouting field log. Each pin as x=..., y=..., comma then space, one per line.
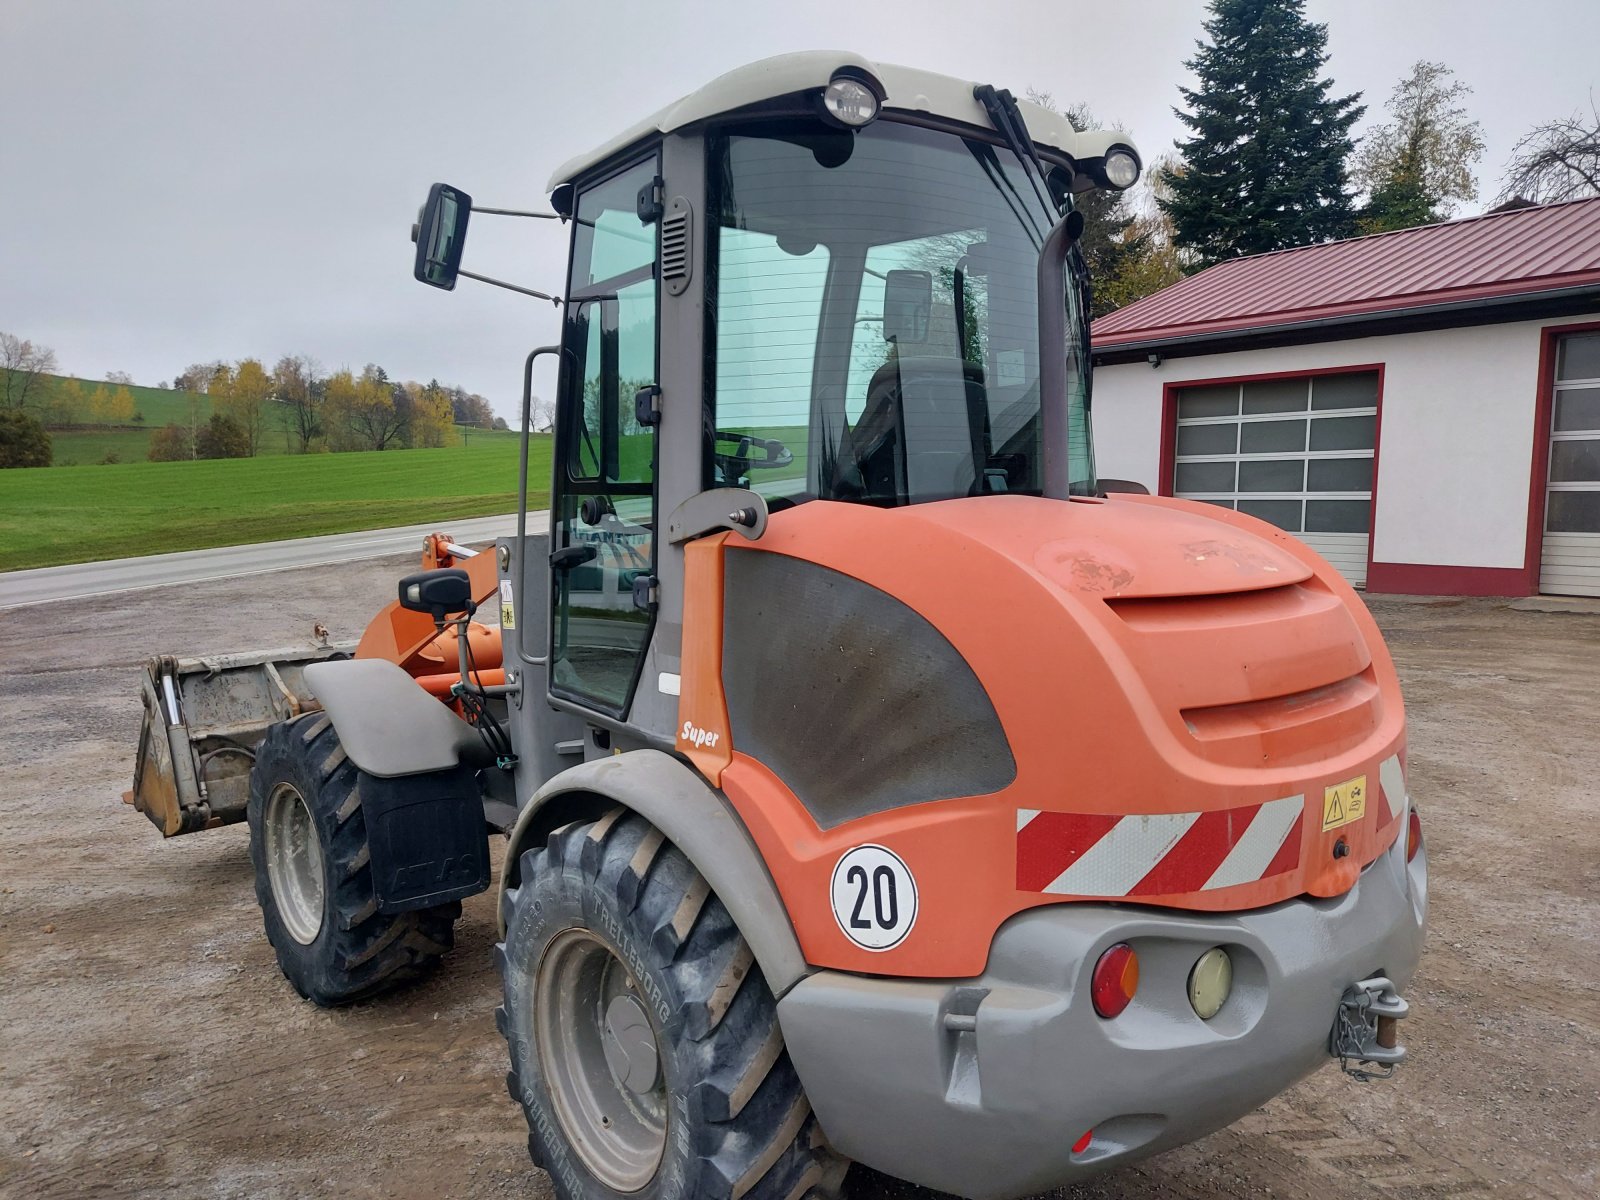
x=603, y=506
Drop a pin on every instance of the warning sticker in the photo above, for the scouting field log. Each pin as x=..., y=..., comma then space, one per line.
x=1344, y=803
x=508, y=611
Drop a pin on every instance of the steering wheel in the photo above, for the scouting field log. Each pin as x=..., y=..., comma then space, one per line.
x=743, y=460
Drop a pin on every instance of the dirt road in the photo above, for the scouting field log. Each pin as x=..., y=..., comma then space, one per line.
x=149, y=1047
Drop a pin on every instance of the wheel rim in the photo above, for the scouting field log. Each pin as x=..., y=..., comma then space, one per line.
x=294, y=863
x=601, y=1060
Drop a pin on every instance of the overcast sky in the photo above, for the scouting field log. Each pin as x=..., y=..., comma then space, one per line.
x=204, y=179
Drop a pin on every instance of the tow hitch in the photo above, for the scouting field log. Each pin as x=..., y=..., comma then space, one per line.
x=1364, y=1033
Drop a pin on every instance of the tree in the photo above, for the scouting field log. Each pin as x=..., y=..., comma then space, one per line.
x=22, y=364
x=1416, y=167
x=68, y=403
x=171, y=443
x=110, y=405
x=297, y=384
x=23, y=441
x=119, y=377
x=1556, y=161
x=1265, y=168
x=222, y=437
x=241, y=392
x=431, y=419
x=361, y=411
x=196, y=377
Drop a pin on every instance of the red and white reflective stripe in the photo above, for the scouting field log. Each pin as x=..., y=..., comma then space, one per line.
x=1156, y=854
x=1393, y=782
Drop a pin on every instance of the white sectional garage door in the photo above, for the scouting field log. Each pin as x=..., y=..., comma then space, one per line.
x=1296, y=452
x=1571, y=561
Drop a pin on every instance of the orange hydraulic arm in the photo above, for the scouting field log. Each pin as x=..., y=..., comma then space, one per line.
x=410, y=639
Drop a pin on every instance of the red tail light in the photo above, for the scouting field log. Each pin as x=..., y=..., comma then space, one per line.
x=1115, y=980
x=1082, y=1144
x=1413, y=835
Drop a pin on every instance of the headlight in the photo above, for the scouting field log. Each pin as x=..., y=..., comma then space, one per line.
x=849, y=101
x=1122, y=168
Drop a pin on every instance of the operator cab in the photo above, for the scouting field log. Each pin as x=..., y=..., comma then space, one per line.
x=816, y=279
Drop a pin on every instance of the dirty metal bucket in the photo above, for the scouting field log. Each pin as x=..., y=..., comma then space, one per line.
x=203, y=718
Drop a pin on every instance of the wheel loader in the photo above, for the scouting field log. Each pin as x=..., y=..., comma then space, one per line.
x=878, y=784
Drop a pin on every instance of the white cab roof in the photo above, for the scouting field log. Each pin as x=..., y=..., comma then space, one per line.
x=906, y=88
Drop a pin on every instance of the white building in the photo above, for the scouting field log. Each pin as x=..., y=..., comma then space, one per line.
x=1423, y=407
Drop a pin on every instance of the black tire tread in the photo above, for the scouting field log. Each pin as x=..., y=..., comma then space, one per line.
x=756, y=1132
x=365, y=952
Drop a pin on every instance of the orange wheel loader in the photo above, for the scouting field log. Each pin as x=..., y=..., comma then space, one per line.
x=879, y=785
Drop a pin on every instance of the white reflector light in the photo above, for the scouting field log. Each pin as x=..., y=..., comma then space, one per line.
x=850, y=101
x=1210, y=982
x=1122, y=169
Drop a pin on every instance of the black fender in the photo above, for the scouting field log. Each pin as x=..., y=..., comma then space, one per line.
x=695, y=818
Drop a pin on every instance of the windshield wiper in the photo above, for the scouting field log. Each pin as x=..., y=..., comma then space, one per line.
x=1007, y=120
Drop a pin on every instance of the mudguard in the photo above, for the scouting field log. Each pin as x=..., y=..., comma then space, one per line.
x=389, y=726
x=696, y=819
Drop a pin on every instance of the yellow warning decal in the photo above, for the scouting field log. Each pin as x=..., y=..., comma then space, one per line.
x=1344, y=803
x=508, y=610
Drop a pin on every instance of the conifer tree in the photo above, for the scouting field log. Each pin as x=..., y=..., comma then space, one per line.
x=1267, y=165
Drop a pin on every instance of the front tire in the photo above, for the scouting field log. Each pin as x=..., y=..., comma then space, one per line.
x=308, y=844
x=645, y=1048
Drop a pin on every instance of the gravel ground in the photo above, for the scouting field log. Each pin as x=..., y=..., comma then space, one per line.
x=149, y=1046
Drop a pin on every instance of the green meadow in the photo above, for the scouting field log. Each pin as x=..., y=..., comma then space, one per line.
x=53, y=515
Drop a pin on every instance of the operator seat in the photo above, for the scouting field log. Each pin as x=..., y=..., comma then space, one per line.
x=924, y=434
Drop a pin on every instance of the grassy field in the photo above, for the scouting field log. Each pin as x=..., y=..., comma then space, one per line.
x=51, y=515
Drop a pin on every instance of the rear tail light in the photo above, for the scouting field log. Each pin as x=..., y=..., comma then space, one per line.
x=1082, y=1144
x=1115, y=980
x=1413, y=835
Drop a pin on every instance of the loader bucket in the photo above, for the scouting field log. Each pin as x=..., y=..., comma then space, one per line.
x=203, y=718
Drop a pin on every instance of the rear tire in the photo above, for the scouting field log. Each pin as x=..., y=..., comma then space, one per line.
x=645, y=1047
x=308, y=844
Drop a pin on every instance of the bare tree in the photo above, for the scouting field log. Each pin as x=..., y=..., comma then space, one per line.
x=121, y=377
x=21, y=365
x=1559, y=160
x=298, y=384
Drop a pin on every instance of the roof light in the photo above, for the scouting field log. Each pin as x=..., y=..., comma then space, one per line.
x=850, y=101
x=1115, y=980
x=1121, y=168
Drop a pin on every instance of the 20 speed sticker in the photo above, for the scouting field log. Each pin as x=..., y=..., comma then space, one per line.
x=874, y=897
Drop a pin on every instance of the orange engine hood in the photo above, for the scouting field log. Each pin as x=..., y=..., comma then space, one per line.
x=1185, y=692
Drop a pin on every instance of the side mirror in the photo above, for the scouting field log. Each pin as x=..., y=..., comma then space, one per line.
x=440, y=234
x=907, y=302
x=439, y=592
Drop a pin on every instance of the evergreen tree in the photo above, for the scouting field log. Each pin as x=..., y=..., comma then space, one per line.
x=1400, y=201
x=1266, y=167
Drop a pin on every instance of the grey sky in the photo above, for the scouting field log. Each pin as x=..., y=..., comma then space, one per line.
x=218, y=178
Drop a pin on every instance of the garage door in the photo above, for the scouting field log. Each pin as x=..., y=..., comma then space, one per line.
x=1571, y=561
x=1295, y=452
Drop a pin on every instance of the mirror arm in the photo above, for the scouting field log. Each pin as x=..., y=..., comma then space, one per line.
x=510, y=287
x=517, y=212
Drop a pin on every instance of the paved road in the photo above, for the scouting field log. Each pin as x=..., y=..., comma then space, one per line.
x=48, y=584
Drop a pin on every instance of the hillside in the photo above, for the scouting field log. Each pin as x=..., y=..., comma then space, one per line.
x=50, y=516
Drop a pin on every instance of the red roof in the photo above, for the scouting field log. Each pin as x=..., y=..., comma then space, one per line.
x=1498, y=255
